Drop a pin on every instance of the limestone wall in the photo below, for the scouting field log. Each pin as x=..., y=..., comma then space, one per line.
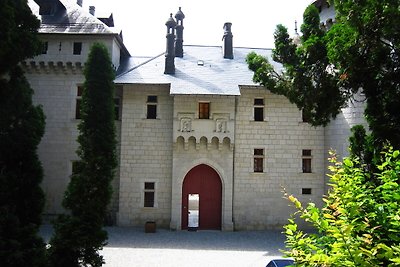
x=204, y=143
x=146, y=155
x=258, y=202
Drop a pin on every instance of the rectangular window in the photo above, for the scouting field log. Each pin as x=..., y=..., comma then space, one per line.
x=258, y=160
x=77, y=48
x=149, y=192
x=117, y=104
x=45, y=47
x=306, y=158
x=306, y=191
x=151, y=107
x=78, y=102
x=304, y=116
x=204, y=110
x=259, y=109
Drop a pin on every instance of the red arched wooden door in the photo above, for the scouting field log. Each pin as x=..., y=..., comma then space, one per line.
x=204, y=181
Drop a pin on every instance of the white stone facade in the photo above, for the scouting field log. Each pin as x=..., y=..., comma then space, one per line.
x=258, y=199
x=162, y=137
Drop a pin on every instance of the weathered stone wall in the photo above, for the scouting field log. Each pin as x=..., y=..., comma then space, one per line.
x=146, y=155
x=206, y=142
x=55, y=77
x=258, y=197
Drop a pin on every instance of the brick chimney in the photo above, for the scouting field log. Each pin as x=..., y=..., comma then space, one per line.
x=170, y=51
x=227, y=39
x=179, y=33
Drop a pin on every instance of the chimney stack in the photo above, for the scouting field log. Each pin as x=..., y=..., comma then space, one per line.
x=79, y=2
x=227, y=38
x=92, y=10
x=179, y=33
x=170, y=52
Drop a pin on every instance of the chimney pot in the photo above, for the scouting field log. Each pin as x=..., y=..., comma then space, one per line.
x=170, y=51
x=92, y=10
x=179, y=33
x=227, y=39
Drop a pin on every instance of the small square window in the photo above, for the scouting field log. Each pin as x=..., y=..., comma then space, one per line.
x=258, y=102
x=204, y=110
x=149, y=186
x=152, y=99
x=77, y=48
x=306, y=191
x=258, y=160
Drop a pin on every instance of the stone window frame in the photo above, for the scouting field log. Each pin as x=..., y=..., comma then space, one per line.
x=77, y=48
x=257, y=107
x=258, y=158
x=152, y=103
x=306, y=160
x=204, y=113
x=150, y=192
x=306, y=191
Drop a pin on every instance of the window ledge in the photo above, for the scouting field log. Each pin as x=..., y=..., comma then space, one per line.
x=146, y=119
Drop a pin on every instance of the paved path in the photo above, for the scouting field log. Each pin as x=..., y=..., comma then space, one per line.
x=129, y=246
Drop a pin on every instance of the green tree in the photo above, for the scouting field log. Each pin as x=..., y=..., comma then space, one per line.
x=18, y=33
x=364, y=47
x=80, y=235
x=359, y=224
x=21, y=129
x=308, y=79
x=321, y=74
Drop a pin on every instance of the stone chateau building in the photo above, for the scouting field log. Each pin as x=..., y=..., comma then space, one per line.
x=200, y=145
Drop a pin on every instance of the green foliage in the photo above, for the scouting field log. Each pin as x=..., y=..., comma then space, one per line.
x=21, y=198
x=308, y=79
x=21, y=129
x=18, y=33
x=80, y=235
x=360, y=51
x=364, y=47
x=359, y=224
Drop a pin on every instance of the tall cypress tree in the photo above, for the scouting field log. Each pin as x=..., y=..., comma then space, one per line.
x=80, y=235
x=21, y=129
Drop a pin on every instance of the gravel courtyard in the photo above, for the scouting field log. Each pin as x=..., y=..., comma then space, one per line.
x=128, y=246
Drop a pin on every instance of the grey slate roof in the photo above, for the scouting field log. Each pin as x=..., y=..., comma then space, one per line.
x=218, y=76
x=70, y=19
